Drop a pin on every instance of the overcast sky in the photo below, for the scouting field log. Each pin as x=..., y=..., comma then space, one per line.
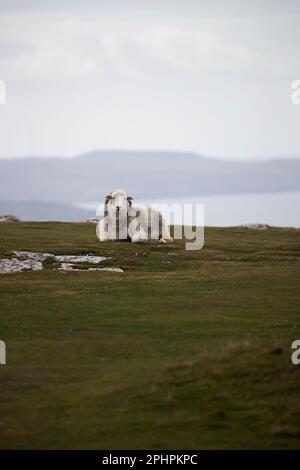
x=211, y=76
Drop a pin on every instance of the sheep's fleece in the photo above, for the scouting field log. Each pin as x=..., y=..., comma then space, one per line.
x=124, y=221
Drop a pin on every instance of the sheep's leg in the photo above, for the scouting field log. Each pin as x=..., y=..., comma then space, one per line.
x=101, y=230
x=137, y=225
x=165, y=233
x=139, y=236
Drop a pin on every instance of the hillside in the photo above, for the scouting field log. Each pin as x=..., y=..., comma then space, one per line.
x=185, y=350
x=43, y=211
x=145, y=174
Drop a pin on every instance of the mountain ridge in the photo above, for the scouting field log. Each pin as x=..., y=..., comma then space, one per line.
x=145, y=174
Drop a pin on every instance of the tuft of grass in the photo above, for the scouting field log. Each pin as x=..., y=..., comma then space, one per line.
x=50, y=263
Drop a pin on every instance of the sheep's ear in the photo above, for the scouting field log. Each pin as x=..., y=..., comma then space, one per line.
x=130, y=199
x=107, y=198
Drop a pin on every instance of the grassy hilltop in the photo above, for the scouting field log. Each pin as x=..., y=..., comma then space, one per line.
x=185, y=349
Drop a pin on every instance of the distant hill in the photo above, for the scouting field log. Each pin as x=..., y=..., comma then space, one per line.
x=30, y=210
x=144, y=174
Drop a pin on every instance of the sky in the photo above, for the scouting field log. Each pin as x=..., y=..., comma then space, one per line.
x=212, y=77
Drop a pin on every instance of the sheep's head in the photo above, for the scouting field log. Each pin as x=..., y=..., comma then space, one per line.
x=116, y=202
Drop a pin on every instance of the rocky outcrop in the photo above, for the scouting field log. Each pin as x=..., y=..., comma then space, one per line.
x=15, y=265
x=255, y=226
x=9, y=218
x=33, y=261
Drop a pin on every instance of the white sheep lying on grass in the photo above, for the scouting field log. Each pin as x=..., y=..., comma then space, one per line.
x=124, y=221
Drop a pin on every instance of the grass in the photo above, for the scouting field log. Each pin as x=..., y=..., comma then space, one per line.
x=185, y=349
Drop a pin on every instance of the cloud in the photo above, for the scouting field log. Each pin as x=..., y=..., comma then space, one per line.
x=199, y=50
x=212, y=81
x=69, y=48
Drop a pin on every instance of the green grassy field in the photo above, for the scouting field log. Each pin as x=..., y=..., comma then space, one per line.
x=185, y=349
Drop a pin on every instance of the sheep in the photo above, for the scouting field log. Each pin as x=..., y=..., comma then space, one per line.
x=123, y=221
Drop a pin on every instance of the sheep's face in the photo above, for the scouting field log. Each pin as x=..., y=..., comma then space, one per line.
x=117, y=202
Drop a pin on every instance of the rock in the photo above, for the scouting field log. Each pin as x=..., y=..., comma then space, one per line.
x=15, y=265
x=80, y=259
x=92, y=220
x=30, y=255
x=70, y=267
x=32, y=261
x=255, y=226
x=9, y=218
